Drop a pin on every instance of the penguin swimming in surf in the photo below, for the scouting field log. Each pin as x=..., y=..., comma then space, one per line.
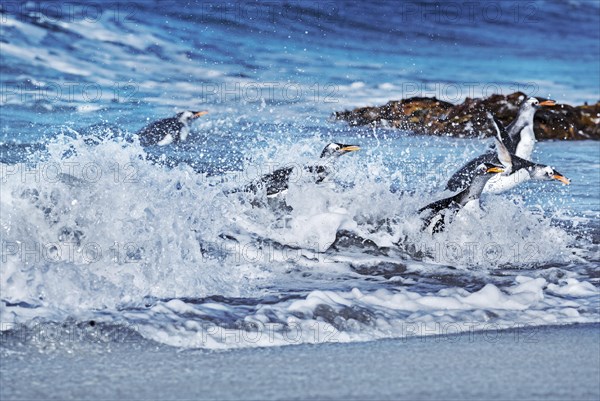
x=518, y=169
x=277, y=182
x=518, y=138
x=169, y=130
x=442, y=211
x=503, y=164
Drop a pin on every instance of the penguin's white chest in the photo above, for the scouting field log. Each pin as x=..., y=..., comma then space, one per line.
x=527, y=142
x=499, y=183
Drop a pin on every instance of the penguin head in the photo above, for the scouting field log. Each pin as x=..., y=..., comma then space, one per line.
x=488, y=168
x=533, y=104
x=186, y=116
x=547, y=173
x=337, y=149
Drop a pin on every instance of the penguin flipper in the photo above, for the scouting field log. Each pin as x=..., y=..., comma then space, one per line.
x=438, y=205
x=502, y=132
x=520, y=163
x=436, y=209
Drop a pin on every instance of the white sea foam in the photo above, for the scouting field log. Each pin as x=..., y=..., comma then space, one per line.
x=104, y=246
x=113, y=238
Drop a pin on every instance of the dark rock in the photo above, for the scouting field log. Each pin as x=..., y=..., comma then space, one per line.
x=431, y=116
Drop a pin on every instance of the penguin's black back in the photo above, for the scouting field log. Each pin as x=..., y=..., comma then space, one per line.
x=273, y=183
x=464, y=176
x=156, y=131
x=279, y=180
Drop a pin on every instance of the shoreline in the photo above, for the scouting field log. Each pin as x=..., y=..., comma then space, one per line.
x=547, y=362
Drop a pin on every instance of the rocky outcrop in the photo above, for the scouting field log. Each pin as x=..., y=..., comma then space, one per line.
x=431, y=116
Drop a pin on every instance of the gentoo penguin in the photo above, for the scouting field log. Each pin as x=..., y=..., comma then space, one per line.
x=517, y=169
x=519, y=140
x=169, y=130
x=520, y=136
x=505, y=164
x=277, y=182
x=442, y=210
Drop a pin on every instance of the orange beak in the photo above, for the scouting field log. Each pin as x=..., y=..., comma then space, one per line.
x=548, y=103
x=199, y=113
x=495, y=170
x=350, y=148
x=561, y=178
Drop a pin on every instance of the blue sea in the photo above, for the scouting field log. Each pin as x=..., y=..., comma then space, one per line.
x=105, y=240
